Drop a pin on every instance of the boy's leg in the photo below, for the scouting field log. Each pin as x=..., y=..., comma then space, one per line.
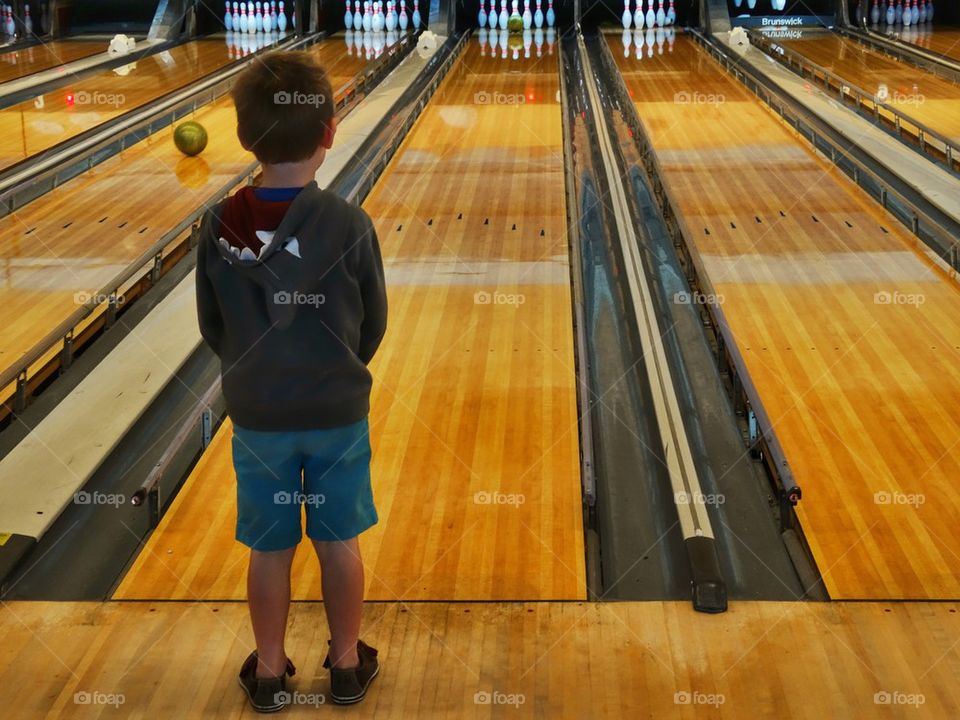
x=268, y=595
x=342, y=585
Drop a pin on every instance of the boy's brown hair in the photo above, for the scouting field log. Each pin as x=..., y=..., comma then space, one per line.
x=285, y=106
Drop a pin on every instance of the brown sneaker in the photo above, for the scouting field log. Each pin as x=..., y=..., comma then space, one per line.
x=266, y=694
x=349, y=685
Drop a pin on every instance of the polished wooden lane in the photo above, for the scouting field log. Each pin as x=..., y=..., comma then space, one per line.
x=568, y=660
x=851, y=336
x=15, y=64
x=473, y=419
x=38, y=124
x=67, y=244
x=943, y=40
x=920, y=95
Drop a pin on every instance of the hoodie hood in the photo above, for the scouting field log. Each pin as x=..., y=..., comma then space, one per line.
x=284, y=268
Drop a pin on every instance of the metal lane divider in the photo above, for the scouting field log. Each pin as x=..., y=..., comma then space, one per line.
x=709, y=590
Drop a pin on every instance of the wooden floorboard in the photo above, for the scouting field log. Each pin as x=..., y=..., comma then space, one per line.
x=571, y=660
x=16, y=64
x=472, y=399
x=849, y=332
x=941, y=39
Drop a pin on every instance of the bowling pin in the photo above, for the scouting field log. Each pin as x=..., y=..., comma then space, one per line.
x=367, y=18
x=502, y=19
x=493, y=22
x=243, y=18
x=671, y=14
x=404, y=20
x=227, y=18
x=236, y=17
x=482, y=21
x=416, y=14
x=377, y=23
x=348, y=19
x=258, y=19
x=915, y=17
x=282, y=18
x=874, y=13
x=516, y=13
x=638, y=15
x=923, y=11
x=551, y=19
x=357, y=17
x=651, y=17
x=391, y=23
x=930, y=11
x=891, y=14
x=661, y=15
x=626, y=19
x=528, y=22
x=538, y=21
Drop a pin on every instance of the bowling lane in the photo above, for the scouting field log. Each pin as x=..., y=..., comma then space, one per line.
x=943, y=40
x=16, y=64
x=68, y=243
x=850, y=335
x=38, y=124
x=474, y=414
x=923, y=96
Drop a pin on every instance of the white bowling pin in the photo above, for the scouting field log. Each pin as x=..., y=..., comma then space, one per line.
x=227, y=18
x=626, y=19
x=528, y=22
x=503, y=17
x=404, y=19
x=243, y=18
x=551, y=19
x=671, y=14
x=281, y=18
x=651, y=16
x=492, y=21
x=482, y=22
x=416, y=14
x=661, y=15
x=538, y=21
x=638, y=15
x=377, y=19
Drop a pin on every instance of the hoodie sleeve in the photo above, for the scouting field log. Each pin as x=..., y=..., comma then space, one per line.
x=373, y=289
x=208, y=310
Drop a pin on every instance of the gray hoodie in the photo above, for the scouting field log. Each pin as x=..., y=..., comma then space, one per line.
x=295, y=327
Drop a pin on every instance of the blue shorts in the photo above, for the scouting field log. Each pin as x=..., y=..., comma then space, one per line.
x=327, y=472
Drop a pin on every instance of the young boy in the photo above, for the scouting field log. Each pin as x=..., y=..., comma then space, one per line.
x=290, y=295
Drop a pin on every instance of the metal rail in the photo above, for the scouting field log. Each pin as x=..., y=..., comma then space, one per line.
x=933, y=144
x=109, y=294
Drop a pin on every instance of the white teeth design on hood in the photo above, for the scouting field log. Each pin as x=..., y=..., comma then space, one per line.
x=293, y=247
x=247, y=254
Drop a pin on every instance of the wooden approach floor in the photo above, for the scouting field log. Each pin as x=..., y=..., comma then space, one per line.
x=16, y=64
x=944, y=40
x=573, y=660
x=38, y=124
x=921, y=95
x=849, y=332
x=64, y=246
x=474, y=396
